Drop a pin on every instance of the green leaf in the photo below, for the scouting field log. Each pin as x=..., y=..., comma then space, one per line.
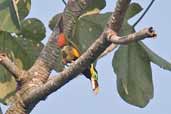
x=133, y=10
x=25, y=50
x=94, y=7
x=9, y=17
x=33, y=29
x=88, y=30
x=99, y=4
x=156, y=59
x=134, y=77
x=24, y=7
x=131, y=64
x=54, y=20
x=132, y=67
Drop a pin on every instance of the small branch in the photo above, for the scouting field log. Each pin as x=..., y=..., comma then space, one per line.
x=11, y=67
x=112, y=37
x=108, y=50
x=145, y=33
x=149, y=6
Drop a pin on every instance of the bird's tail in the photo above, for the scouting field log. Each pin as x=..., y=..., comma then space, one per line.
x=95, y=86
x=94, y=79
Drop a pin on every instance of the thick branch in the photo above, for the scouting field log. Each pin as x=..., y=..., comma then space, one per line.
x=145, y=33
x=11, y=67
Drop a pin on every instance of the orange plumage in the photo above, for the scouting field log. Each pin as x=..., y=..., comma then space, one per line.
x=61, y=40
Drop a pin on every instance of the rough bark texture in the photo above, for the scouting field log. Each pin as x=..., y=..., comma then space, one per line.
x=35, y=85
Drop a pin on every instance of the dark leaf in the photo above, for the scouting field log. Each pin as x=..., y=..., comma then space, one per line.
x=9, y=17
x=133, y=10
x=25, y=50
x=156, y=59
x=88, y=29
x=132, y=67
x=99, y=4
x=134, y=77
x=33, y=29
x=24, y=7
x=54, y=20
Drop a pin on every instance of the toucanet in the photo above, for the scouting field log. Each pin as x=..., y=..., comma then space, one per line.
x=70, y=54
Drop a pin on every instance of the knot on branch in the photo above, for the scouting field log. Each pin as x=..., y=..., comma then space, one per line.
x=2, y=56
x=151, y=32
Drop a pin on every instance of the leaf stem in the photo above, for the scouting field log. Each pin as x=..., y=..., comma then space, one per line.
x=64, y=2
x=151, y=3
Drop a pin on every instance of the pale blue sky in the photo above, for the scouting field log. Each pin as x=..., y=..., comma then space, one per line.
x=77, y=98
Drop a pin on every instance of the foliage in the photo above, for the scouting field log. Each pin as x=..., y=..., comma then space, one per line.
x=9, y=16
x=20, y=38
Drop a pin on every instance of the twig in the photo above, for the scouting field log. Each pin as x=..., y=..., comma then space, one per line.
x=11, y=67
x=147, y=32
x=108, y=50
x=151, y=3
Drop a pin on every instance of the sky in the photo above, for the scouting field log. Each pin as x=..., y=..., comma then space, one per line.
x=76, y=97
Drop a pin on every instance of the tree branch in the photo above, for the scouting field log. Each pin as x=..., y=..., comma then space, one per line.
x=145, y=33
x=112, y=37
x=109, y=49
x=11, y=67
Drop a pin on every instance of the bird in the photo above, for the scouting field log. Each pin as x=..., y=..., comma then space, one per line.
x=70, y=54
